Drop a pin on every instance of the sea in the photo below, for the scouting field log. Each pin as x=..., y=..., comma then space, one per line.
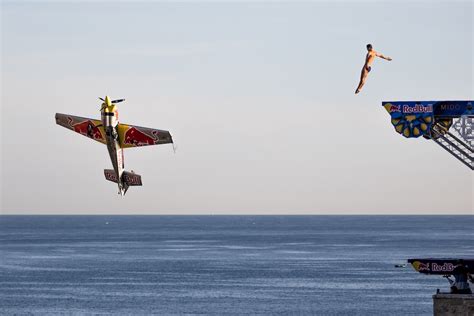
x=224, y=265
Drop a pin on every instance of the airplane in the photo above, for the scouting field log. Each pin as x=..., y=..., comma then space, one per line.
x=116, y=136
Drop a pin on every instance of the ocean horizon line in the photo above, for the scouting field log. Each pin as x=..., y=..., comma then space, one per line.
x=246, y=214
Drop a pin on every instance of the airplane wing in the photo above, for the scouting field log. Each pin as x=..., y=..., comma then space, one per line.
x=85, y=126
x=136, y=136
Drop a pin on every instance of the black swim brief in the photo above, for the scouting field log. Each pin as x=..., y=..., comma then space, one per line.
x=368, y=68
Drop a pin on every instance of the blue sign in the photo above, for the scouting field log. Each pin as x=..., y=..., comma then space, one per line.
x=411, y=119
x=415, y=118
x=453, y=109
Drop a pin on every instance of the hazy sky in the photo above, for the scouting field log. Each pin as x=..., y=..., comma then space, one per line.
x=259, y=98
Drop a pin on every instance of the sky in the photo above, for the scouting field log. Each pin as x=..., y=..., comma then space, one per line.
x=259, y=98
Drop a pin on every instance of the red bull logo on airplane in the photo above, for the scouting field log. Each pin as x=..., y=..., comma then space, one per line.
x=137, y=138
x=88, y=129
x=116, y=136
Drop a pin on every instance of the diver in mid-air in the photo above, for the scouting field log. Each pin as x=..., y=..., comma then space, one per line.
x=369, y=59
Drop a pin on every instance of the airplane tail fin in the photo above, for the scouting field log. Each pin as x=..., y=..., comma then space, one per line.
x=131, y=179
x=128, y=178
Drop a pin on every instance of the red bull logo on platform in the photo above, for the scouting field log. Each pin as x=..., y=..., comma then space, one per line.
x=423, y=266
x=394, y=108
x=445, y=267
x=418, y=108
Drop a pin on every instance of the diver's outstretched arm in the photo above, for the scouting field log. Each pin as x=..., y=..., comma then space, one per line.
x=383, y=57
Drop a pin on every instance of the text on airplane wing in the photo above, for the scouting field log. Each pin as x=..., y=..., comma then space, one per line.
x=85, y=126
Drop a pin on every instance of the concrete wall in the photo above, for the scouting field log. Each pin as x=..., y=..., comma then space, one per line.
x=453, y=305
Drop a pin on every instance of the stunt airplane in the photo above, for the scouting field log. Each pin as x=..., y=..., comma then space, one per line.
x=116, y=136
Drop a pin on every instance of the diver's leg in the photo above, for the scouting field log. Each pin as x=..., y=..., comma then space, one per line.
x=363, y=78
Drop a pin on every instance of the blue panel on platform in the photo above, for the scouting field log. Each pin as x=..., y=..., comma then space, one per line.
x=453, y=108
x=415, y=118
x=411, y=119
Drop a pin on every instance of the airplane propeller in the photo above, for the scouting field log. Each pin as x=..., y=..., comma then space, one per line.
x=113, y=101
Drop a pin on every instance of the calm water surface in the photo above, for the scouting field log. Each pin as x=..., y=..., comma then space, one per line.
x=318, y=265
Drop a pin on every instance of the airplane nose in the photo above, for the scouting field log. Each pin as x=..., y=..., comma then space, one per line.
x=107, y=101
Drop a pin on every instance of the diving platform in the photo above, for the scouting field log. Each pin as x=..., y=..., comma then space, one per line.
x=454, y=302
x=449, y=124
